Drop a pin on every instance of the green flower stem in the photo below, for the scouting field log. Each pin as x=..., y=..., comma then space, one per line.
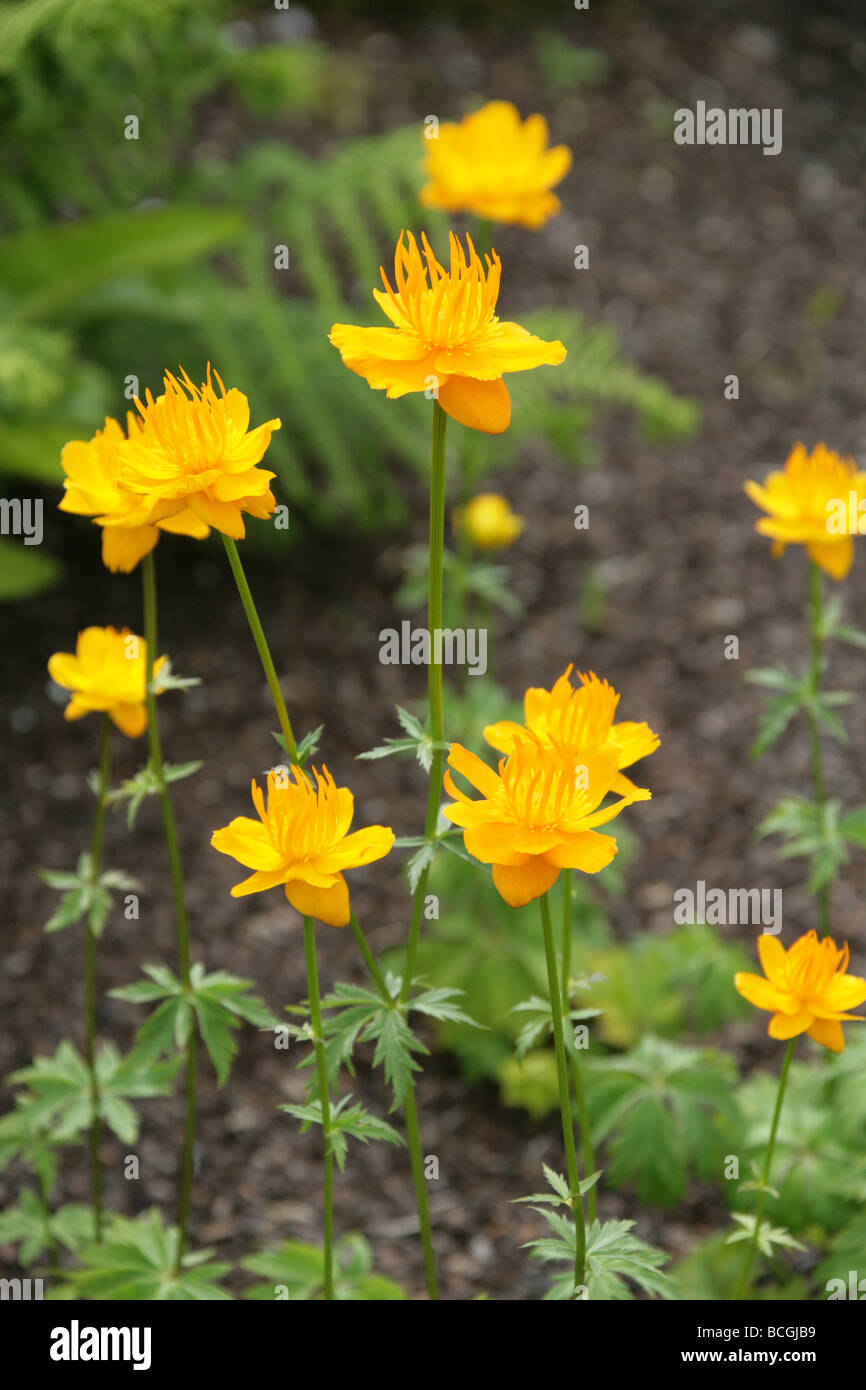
x=182, y=924
x=576, y=1068
x=413, y=1134
x=743, y=1285
x=564, y=1100
x=816, y=662
x=90, y=981
x=434, y=676
x=324, y=1098
x=261, y=646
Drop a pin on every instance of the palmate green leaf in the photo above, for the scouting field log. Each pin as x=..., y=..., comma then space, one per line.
x=218, y=1002
x=136, y=1261
x=662, y=1108
x=768, y=1236
x=27, y=1136
x=615, y=1260
x=85, y=894
x=33, y=1230
x=540, y=1022
x=773, y=723
x=345, y=1120
x=146, y=783
x=561, y=1194
x=812, y=831
x=306, y=747
x=417, y=741
x=297, y=1272
x=59, y=1089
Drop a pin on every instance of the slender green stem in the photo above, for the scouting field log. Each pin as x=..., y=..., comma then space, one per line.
x=743, y=1285
x=148, y=571
x=410, y=1112
x=90, y=981
x=413, y=1134
x=261, y=646
x=816, y=664
x=324, y=1096
x=574, y=1053
x=564, y=1099
x=434, y=675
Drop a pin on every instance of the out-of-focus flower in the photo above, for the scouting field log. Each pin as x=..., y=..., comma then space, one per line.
x=446, y=339
x=538, y=814
x=577, y=719
x=807, y=989
x=106, y=674
x=496, y=166
x=301, y=841
x=195, y=450
x=92, y=488
x=488, y=521
x=814, y=501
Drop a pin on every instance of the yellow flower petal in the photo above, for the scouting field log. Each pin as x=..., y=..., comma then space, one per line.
x=328, y=905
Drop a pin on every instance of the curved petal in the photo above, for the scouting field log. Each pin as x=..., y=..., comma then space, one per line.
x=493, y=843
x=124, y=546
x=519, y=884
x=828, y=1033
x=504, y=734
x=222, y=516
x=470, y=766
x=258, y=882
x=834, y=557
x=773, y=960
x=589, y=852
x=248, y=841
x=361, y=847
x=130, y=719
x=480, y=405
x=328, y=905
x=784, y=1026
x=762, y=994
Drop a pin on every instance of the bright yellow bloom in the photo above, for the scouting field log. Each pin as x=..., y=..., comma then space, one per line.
x=106, y=674
x=537, y=814
x=496, y=166
x=805, y=502
x=577, y=719
x=301, y=840
x=446, y=338
x=195, y=450
x=93, y=488
x=806, y=989
x=489, y=522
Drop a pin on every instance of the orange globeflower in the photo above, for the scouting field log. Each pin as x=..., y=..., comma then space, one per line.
x=106, y=674
x=496, y=166
x=92, y=488
x=806, y=989
x=577, y=719
x=195, y=450
x=814, y=501
x=446, y=338
x=538, y=814
x=301, y=840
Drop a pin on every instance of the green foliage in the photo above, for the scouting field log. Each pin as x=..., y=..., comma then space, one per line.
x=417, y=741
x=845, y=1254
x=665, y=1110
x=297, y=1272
x=216, y=1002
x=34, y=1229
x=795, y=694
x=615, y=1259
x=819, y=833
x=345, y=1120
x=146, y=783
x=712, y=1269
x=59, y=1091
x=85, y=894
x=137, y=1261
x=819, y=1165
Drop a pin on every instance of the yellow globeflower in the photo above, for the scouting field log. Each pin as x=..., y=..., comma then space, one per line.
x=446, y=338
x=814, y=501
x=301, y=840
x=489, y=522
x=577, y=719
x=496, y=166
x=106, y=674
x=538, y=814
x=93, y=488
x=806, y=989
x=195, y=450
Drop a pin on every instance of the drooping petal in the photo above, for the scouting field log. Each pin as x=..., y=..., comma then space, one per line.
x=784, y=1026
x=588, y=852
x=762, y=994
x=328, y=905
x=480, y=405
x=520, y=884
x=130, y=719
x=258, y=882
x=828, y=1033
x=124, y=546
